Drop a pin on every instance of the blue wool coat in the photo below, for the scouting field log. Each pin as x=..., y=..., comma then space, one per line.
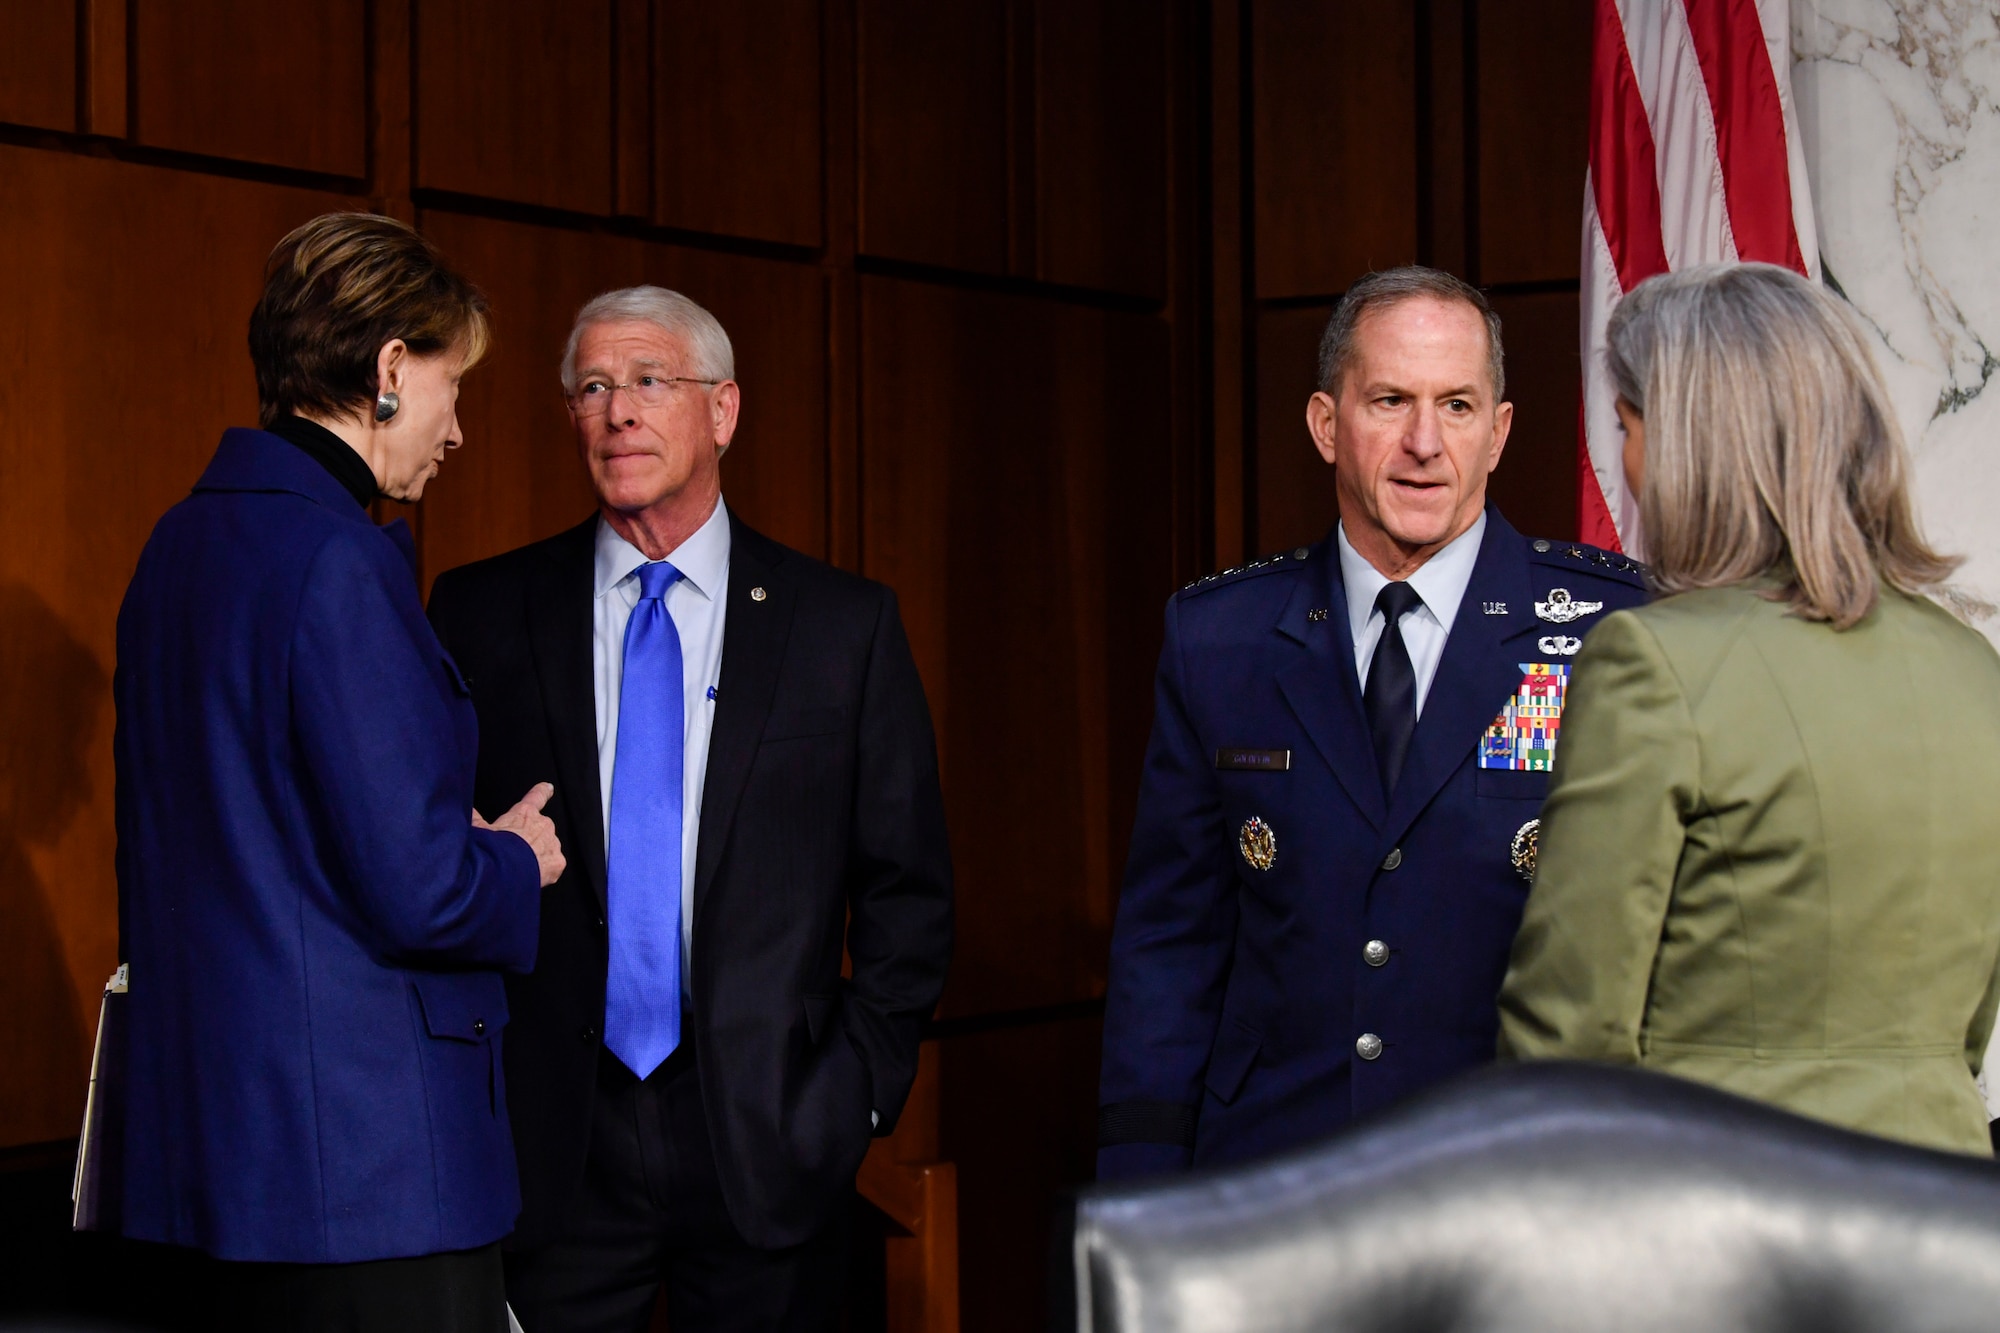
x=312, y=924
x=1242, y=976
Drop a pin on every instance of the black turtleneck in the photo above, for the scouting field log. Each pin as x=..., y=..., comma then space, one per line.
x=330, y=452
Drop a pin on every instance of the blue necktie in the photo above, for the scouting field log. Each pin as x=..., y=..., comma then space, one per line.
x=642, y=992
x=1390, y=698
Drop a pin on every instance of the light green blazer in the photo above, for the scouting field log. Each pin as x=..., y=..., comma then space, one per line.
x=1770, y=862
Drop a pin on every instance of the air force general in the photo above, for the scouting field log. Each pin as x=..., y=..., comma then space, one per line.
x=1351, y=742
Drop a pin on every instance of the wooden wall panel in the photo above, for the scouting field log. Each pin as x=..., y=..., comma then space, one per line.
x=1535, y=484
x=736, y=130
x=1442, y=219
x=107, y=68
x=775, y=473
x=1020, y=1120
x=933, y=167
x=518, y=478
x=1296, y=505
x=1334, y=125
x=1534, y=139
x=1016, y=493
x=1101, y=145
x=38, y=64
x=514, y=101
x=284, y=84
x=154, y=273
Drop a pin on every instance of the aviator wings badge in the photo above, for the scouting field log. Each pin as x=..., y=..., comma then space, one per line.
x=1561, y=608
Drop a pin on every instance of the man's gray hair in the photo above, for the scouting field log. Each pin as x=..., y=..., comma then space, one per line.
x=1387, y=288
x=709, y=354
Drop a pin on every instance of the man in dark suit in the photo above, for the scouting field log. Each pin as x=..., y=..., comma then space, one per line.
x=744, y=765
x=1351, y=742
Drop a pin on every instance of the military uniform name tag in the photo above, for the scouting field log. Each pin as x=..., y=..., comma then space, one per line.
x=1254, y=761
x=1523, y=737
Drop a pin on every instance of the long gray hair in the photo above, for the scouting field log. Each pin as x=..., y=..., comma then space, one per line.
x=1771, y=447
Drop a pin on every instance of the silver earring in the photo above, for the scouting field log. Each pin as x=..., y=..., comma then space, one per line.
x=386, y=406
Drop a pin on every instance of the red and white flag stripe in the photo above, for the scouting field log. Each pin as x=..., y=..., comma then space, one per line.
x=1694, y=159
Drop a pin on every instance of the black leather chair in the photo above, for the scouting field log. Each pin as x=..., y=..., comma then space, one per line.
x=1553, y=1197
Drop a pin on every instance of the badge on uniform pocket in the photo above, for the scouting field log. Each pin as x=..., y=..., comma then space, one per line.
x=1523, y=737
x=1525, y=849
x=1258, y=843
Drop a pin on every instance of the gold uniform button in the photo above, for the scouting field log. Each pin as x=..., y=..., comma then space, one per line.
x=1374, y=953
x=1368, y=1046
x=1394, y=859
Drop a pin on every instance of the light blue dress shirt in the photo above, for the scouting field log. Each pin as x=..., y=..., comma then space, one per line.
x=697, y=601
x=1441, y=581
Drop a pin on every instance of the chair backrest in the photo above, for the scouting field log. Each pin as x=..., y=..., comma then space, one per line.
x=1555, y=1197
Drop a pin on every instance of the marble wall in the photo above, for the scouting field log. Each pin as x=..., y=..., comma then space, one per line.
x=1897, y=112
x=1901, y=131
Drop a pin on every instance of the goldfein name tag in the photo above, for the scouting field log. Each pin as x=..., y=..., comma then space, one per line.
x=1260, y=761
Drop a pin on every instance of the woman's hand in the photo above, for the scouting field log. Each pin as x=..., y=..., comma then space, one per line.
x=527, y=822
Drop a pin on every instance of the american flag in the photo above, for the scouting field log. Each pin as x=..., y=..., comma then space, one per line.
x=1694, y=159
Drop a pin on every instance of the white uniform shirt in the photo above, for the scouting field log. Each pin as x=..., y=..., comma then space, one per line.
x=697, y=602
x=1441, y=581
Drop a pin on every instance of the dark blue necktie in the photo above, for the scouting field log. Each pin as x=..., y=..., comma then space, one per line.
x=642, y=991
x=1391, y=696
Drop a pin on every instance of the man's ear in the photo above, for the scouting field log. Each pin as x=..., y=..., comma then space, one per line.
x=1503, y=422
x=724, y=403
x=1322, y=417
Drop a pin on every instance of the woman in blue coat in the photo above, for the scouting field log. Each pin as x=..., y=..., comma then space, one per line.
x=314, y=916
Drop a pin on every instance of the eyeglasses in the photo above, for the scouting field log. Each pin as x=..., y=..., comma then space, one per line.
x=593, y=397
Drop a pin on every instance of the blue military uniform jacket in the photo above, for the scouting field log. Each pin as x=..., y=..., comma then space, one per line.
x=1293, y=947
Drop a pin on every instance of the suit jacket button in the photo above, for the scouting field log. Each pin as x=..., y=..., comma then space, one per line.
x=1394, y=859
x=600, y=923
x=1368, y=1046
x=478, y=1027
x=1375, y=953
x=588, y=1033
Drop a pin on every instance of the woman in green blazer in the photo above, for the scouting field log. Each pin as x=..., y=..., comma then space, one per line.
x=1768, y=858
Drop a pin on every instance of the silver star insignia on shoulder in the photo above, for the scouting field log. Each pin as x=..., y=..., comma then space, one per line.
x=1561, y=608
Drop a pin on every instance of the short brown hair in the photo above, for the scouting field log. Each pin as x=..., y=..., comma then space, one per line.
x=1772, y=449
x=335, y=291
x=1392, y=287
